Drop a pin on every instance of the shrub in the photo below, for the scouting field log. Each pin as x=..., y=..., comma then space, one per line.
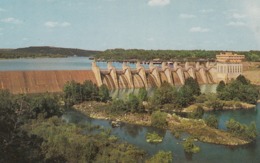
x=221, y=86
x=162, y=157
x=239, y=90
x=153, y=138
x=211, y=121
x=197, y=113
x=45, y=104
x=118, y=106
x=103, y=93
x=142, y=94
x=189, y=146
x=134, y=104
x=158, y=119
x=247, y=132
x=193, y=86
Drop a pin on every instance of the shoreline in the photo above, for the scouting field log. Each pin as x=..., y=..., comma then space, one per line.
x=240, y=106
x=176, y=124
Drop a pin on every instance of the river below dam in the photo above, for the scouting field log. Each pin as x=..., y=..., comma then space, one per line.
x=209, y=153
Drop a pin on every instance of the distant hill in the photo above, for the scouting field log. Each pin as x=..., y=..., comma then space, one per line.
x=45, y=51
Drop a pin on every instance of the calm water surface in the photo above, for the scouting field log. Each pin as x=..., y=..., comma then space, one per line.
x=70, y=63
x=135, y=134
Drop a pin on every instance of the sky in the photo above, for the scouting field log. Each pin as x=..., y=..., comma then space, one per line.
x=131, y=24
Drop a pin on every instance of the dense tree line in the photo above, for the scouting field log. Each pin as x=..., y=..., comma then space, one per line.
x=247, y=132
x=45, y=51
x=238, y=90
x=31, y=131
x=178, y=98
x=122, y=54
x=75, y=93
x=16, y=144
x=166, y=55
x=67, y=143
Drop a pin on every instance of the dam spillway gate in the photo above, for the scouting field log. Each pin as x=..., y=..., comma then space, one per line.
x=154, y=76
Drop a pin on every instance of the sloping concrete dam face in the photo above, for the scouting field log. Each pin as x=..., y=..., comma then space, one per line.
x=19, y=82
x=154, y=76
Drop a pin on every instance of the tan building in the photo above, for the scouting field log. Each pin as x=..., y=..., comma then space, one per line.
x=229, y=66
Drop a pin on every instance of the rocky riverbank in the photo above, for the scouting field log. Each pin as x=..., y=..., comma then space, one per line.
x=176, y=124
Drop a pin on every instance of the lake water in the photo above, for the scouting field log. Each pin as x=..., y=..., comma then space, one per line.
x=209, y=153
x=70, y=63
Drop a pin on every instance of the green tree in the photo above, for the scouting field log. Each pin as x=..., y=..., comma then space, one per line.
x=89, y=91
x=16, y=145
x=221, y=86
x=118, y=106
x=193, y=85
x=189, y=146
x=134, y=104
x=75, y=93
x=211, y=121
x=243, y=80
x=158, y=119
x=197, y=113
x=236, y=90
x=162, y=157
x=247, y=132
x=164, y=95
x=184, y=97
x=142, y=94
x=71, y=93
x=214, y=102
x=103, y=93
x=47, y=105
x=8, y=118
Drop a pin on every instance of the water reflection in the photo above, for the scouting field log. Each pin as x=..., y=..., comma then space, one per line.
x=123, y=93
x=131, y=130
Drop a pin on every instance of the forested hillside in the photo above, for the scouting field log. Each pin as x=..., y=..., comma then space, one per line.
x=122, y=54
x=44, y=52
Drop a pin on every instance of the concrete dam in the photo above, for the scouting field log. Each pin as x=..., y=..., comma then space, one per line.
x=227, y=68
x=154, y=76
x=23, y=82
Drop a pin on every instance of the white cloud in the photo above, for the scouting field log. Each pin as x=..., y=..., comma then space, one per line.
x=236, y=23
x=205, y=11
x=187, y=16
x=238, y=16
x=25, y=39
x=158, y=2
x=52, y=24
x=11, y=20
x=199, y=29
x=150, y=39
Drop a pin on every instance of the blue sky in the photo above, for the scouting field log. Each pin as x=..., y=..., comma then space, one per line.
x=140, y=24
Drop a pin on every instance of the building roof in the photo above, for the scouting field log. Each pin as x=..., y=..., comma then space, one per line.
x=229, y=57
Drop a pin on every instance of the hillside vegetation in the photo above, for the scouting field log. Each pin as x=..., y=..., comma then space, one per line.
x=123, y=54
x=44, y=51
x=166, y=55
